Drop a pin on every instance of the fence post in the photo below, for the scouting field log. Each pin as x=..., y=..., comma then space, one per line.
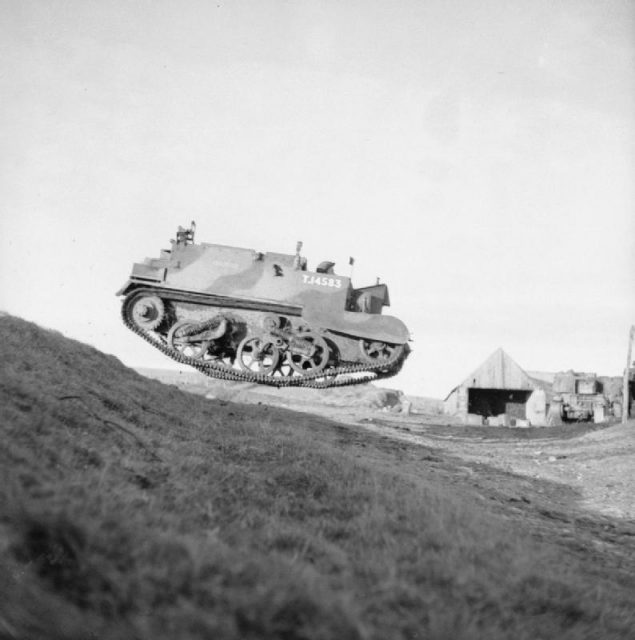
x=626, y=401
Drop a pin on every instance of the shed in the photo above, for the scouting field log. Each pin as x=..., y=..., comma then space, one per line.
x=498, y=387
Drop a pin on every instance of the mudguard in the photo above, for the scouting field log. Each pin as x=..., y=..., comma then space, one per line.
x=368, y=326
x=126, y=288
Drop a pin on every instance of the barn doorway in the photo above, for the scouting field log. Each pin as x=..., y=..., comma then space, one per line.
x=493, y=402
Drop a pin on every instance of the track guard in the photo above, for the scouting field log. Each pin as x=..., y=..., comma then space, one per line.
x=361, y=325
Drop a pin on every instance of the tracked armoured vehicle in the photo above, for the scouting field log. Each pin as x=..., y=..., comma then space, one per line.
x=239, y=314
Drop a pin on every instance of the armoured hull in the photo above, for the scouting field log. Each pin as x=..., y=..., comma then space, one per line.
x=239, y=314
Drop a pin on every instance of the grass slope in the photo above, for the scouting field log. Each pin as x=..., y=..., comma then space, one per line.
x=129, y=509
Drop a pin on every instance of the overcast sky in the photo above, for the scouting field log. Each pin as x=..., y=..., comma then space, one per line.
x=477, y=156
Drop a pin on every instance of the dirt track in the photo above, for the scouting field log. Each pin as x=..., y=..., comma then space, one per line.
x=589, y=467
x=597, y=464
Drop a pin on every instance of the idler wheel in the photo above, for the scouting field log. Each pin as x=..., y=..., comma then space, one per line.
x=308, y=353
x=257, y=355
x=147, y=312
x=377, y=352
x=182, y=338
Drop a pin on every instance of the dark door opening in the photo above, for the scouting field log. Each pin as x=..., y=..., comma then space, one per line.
x=493, y=402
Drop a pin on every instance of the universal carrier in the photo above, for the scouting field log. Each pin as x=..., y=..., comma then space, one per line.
x=238, y=314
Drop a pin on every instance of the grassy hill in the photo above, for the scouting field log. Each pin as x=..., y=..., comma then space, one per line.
x=129, y=509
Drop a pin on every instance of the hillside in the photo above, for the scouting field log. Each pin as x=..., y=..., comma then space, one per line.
x=130, y=509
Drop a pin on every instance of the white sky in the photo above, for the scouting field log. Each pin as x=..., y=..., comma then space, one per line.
x=478, y=156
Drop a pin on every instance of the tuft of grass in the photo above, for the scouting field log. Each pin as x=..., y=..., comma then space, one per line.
x=131, y=509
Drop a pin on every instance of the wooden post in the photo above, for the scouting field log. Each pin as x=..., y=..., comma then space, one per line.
x=626, y=401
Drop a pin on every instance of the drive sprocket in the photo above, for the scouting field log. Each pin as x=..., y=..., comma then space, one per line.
x=147, y=312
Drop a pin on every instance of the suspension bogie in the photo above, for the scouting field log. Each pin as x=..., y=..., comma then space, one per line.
x=246, y=344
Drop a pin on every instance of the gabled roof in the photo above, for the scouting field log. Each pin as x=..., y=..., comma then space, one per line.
x=499, y=371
